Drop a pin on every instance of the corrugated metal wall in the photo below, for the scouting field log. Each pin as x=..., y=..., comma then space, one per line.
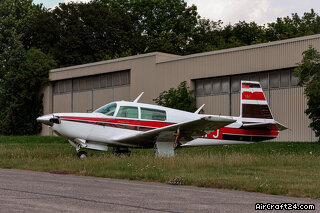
x=287, y=106
x=155, y=72
x=217, y=105
x=102, y=97
x=47, y=107
x=87, y=101
x=82, y=102
x=255, y=58
x=235, y=104
x=62, y=103
x=122, y=94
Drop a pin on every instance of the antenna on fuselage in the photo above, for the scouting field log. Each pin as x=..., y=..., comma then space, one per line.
x=198, y=110
x=137, y=99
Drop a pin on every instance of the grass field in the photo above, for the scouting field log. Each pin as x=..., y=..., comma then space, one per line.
x=291, y=169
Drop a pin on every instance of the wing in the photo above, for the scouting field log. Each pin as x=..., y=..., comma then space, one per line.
x=187, y=129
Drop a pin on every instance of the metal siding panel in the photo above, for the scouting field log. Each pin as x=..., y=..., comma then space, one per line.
x=215, y=105
x=122, y=94
x=235, y=104
x=245, y=61
x=143, y=79
x=102, y=97
x=102, y=67
x=62, y=103
x=82, y=101
x=47, y=99
x=47, y=107
x=288, y=106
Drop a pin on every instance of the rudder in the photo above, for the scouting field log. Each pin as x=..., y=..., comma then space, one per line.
x=253, y=103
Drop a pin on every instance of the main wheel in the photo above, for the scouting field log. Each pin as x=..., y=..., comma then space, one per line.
x=117, y=151
x=82, y=154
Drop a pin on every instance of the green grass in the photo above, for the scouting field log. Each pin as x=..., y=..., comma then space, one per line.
x=291, y=169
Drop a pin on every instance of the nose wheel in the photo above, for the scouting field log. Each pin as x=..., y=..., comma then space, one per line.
x=82, y=154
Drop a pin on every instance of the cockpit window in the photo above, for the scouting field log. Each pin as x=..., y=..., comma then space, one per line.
x=128, y=112
x=108, y=109
x=153, y=114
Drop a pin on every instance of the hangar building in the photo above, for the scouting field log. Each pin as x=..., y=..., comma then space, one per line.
x=215, y=76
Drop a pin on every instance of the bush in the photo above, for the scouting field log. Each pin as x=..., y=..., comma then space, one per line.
x=308, y=72
x=181, y=98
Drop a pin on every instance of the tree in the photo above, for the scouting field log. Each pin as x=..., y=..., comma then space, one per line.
x=26, y=73
x=294, y=26
x=308, y=72
x=248, y=33
x=79, y=33
x=160, y=25
x=181, y=98
x=15, y=18
x=207, y=37
x=23, y=70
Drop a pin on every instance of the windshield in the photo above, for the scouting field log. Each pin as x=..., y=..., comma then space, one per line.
x=108, y=109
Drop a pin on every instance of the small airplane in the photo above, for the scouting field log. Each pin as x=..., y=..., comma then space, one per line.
x=123, y=125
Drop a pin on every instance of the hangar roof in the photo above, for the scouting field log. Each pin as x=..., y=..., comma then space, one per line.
x=255, y=46
x=155, y=58
x=159, y=57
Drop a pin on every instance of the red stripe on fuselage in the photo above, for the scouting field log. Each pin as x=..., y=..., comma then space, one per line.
x=253, y=96
x=246, y=132
x=154, y=124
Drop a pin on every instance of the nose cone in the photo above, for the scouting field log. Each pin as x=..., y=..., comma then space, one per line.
x=45, y=119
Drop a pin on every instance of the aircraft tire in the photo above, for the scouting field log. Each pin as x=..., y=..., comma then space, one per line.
x=82, y=154
x=121, y=152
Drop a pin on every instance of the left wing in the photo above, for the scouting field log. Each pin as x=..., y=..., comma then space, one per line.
x=187, y=129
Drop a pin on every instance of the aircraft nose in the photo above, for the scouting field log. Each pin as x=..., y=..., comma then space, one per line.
x=46, y=119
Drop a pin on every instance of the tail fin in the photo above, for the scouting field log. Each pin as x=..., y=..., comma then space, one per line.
x=253, y=103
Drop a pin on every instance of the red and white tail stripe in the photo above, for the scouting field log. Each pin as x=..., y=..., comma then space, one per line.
x=253, y=102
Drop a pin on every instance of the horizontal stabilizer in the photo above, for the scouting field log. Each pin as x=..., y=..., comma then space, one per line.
x=272, y=126
x=281, y=127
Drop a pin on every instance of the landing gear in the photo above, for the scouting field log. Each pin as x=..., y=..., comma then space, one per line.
x=121, y=151
x=164, y=149
x=82, y=154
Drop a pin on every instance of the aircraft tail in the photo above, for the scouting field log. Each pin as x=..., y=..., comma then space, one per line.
x=253, y=103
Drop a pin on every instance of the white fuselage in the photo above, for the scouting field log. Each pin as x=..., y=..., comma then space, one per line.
x=98, y=127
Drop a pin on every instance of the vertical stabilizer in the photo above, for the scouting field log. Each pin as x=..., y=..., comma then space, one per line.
x=253, y=103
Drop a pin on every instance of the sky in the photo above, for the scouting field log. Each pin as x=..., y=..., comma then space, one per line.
x=260, y=11
x=53, y=3
x=233, y=11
